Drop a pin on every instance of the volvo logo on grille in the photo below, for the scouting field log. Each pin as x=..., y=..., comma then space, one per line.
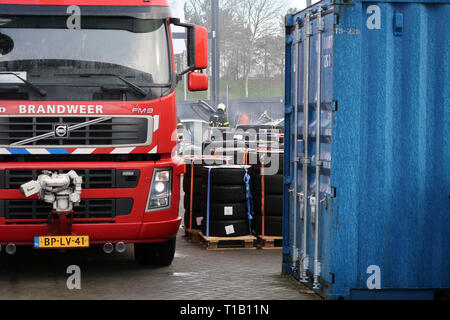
x=61, y=131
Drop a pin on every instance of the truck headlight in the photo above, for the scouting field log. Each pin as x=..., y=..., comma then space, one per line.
x=160, y=190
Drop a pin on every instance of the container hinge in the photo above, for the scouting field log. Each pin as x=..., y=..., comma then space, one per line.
x=336, y=18
x=398, y=23
x=287, y=180
x=334, y=106
x=288, y=110
x=289, y=40
x=333, y=277
x=289, y=21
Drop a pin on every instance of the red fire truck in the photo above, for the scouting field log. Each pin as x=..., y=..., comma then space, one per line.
x=88, y=124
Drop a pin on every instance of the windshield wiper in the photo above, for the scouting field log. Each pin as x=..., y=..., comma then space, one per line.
x=135, y=88
x=42, y=92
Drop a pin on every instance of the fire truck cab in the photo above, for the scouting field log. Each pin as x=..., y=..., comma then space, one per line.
x=87, y=89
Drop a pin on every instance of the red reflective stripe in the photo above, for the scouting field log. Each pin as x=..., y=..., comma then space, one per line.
x=142, y=150
x=103, y=150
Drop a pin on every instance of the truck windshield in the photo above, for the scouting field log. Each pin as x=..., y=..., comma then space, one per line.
x=46, y=51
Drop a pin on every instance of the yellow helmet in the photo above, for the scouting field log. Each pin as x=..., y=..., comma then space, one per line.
x=222, y=107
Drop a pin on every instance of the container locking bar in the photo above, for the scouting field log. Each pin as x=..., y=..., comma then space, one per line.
x=307, y=61
x=315, y=201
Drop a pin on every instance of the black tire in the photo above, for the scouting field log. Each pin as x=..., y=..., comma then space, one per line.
x=197, y=170
x=220, y=228
x=272, y=184
x=196, y=203
x=225, y=194
x=187, y=184
x=197, y=217
x=225, y=211
x=224, y=176
x=273, y=205
x=155, y=254
x=273, y=226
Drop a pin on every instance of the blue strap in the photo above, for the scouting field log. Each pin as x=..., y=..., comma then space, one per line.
x=208, y=202
x=249, y=199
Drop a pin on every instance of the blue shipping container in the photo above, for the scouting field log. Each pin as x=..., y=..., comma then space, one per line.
x=370, y=216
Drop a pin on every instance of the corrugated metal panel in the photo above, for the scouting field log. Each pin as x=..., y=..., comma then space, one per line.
x=390, y=146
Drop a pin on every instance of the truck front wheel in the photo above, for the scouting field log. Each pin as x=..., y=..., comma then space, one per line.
x=155, y=254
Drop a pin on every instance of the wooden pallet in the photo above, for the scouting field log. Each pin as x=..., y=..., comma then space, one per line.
x=225, y=243
x=192, y=235
x=267, y=242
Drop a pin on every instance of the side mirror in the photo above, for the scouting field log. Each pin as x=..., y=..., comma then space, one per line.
x=199, y=48
x=198, y=81
x=197, y=52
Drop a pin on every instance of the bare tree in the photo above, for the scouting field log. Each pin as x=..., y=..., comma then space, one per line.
x=251, y=37
x=257, y=17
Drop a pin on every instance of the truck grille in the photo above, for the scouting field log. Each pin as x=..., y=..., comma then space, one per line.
x=113, y=132
x=92, y=178
x=88, y=209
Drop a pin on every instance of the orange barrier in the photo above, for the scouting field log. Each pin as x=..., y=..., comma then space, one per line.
x=245, y=160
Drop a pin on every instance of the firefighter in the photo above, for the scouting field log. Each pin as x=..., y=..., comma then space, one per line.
x=180, y=128
x=219, y=119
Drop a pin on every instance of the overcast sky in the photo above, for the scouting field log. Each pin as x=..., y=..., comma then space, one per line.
x=301, y=4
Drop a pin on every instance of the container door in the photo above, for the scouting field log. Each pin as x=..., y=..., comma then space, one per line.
x=309, y=193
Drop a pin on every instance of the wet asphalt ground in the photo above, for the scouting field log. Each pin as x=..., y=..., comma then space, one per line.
x=195, y=274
